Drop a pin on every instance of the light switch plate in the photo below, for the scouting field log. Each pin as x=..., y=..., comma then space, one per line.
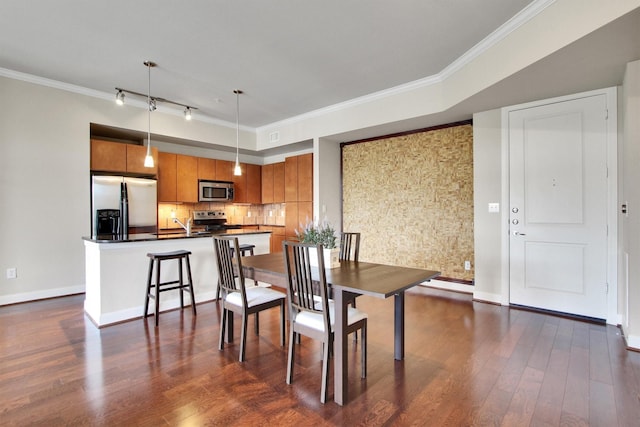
x=494, y=207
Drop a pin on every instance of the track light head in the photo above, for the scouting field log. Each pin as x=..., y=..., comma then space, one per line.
x=120, y=97
x=187, y=113
x=152, y=104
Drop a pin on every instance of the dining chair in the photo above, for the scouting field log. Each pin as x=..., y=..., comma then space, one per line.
x=349, y=246
x=350, y=250
x=312, y=313
x=238, y=298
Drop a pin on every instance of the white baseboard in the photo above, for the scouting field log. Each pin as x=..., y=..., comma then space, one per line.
x=449, y=286
x=38, y=295
x=487, y=297
x=113, y=317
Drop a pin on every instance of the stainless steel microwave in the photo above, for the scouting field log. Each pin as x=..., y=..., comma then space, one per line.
x=215, y=191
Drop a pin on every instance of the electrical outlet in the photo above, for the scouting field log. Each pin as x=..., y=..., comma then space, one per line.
x=12, y=273
x=467, y=265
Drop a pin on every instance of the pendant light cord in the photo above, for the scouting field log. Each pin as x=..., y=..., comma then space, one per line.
x=237, y=124
x=149, y=111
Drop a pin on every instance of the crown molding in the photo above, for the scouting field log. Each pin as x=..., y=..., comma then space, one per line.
x=522, y=17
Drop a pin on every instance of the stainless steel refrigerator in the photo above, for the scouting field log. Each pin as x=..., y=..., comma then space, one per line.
x=123, y=205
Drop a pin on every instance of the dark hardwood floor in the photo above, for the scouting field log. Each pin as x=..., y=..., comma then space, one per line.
x=467, y=363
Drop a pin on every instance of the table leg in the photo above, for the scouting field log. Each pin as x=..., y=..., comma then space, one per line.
x=340, y=369
x=399, y=325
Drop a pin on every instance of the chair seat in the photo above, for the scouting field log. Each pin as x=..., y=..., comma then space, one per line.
x=315, y=321
x=255, y=296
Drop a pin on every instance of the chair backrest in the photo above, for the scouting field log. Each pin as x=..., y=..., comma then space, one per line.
x=307, y=285
x=225, y=255
x=349, y=246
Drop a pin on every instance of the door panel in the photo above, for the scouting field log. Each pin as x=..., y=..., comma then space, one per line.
x=558, y=198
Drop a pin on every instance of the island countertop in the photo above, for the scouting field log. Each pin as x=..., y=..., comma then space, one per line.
x=168, y=235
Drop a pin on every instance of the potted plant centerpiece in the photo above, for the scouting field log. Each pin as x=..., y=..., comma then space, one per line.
x=322, y=234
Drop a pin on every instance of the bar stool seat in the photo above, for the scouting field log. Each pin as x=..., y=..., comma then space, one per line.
x=155, y=259
x=244, y=248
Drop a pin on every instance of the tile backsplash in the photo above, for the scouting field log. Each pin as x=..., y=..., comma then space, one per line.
x=270, y=214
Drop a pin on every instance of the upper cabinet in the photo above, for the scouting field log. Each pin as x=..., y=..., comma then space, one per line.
x=177, y=178
x=278, y=182
x=291, y=179
x=108, y=156
x=167, y=177
x=267, y=183
x=273, y=183
x=254, y=184
x=298, y=178
x=305, y=178
x=224, y=170
x=206, y=168
x=247, y=187
x=187, y=178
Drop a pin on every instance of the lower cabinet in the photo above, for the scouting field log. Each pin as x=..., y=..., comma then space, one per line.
x=277, y=236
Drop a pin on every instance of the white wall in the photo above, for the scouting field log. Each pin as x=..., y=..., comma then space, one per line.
x=630, y=224
x=487, y=179
x=44, y=180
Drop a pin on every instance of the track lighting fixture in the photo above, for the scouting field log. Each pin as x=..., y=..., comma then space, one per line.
x=152, y=101
x=237, y=171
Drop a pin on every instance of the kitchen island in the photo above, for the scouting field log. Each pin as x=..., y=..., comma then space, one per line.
x=116, y=270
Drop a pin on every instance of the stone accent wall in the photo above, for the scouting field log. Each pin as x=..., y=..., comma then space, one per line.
x=411, y=197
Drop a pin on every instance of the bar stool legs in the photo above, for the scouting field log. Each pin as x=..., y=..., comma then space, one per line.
x=155, y=259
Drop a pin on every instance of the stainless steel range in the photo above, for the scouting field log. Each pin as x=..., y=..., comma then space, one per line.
x=215, y=220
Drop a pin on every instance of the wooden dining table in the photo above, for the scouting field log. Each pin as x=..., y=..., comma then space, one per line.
x=349, y=279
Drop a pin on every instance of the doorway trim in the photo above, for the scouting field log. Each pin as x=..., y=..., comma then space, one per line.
x=611, y=95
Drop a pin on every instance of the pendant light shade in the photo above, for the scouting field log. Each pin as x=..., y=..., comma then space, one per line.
x=237, y=171
x=148, y=160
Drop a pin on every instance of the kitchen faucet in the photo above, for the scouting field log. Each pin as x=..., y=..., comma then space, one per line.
x=186, y=227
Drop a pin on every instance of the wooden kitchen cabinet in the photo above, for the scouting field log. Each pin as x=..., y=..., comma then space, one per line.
x=254, y=184
x=291, y=179
x=247, y=187
x=167, y=177
x=135, y=159
x=278, y=182
x=186, y=178
x=267, y=184
x=224, y=170
x=291, y=219
x=305, y=177
x=206, y=168
x=240, y=186
x=297, y=215
x=109, y=156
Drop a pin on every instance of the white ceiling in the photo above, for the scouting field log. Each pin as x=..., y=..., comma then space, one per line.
x=290, y=57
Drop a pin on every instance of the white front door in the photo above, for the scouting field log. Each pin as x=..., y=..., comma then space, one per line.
x=558, y=206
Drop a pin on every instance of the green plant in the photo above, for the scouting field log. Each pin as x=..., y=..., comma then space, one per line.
x=315, y=233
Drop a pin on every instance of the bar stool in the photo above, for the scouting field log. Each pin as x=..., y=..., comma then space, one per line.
x=157, y=258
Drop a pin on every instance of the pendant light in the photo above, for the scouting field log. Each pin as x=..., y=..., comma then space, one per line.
x=237, y=171
x=148, y=160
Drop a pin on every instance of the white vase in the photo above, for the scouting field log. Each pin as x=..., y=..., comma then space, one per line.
x=331, y=257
